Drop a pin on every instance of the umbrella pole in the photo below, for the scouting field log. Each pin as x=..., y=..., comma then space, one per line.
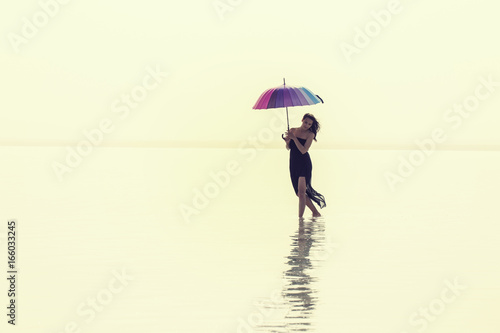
x=287, y=118
x=287, y=124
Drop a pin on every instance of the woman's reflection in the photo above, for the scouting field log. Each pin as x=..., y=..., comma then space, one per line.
x=300, y=278
x=299, y=295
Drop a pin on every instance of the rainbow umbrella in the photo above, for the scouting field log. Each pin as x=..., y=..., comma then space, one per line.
x=285, y=96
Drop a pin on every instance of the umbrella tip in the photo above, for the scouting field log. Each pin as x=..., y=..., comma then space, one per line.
x=283, y=81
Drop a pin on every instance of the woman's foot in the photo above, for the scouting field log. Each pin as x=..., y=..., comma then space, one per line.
x=316, y=214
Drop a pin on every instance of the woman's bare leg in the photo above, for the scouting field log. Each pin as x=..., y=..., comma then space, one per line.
x=301, y=193
x=313, y=209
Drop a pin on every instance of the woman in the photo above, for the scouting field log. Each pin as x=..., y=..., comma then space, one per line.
x=298, y=141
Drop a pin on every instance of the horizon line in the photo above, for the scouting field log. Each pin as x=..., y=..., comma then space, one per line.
x=233, y=145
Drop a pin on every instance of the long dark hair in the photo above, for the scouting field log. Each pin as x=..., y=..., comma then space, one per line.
x=315, y=125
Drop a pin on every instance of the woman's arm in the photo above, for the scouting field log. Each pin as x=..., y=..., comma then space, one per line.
x=304, y=148
x=287, y=140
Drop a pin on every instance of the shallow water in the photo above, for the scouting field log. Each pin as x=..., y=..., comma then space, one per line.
x=243, y=261
x=292, y=308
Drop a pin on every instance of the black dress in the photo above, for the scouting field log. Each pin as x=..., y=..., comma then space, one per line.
x=301, y=166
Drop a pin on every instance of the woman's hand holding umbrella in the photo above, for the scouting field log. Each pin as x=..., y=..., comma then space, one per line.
x=289, y=136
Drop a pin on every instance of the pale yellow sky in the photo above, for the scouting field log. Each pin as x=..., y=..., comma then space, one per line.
x=395, y=88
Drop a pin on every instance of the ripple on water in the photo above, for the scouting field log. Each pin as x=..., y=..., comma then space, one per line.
x=293, y=308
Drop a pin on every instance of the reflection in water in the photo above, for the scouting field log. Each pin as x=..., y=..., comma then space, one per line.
x=299, y=296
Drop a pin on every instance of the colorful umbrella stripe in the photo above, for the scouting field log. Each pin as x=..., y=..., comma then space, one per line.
x=284, y=96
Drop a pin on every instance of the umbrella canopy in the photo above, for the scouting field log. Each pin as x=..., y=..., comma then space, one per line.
x=285, y=96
